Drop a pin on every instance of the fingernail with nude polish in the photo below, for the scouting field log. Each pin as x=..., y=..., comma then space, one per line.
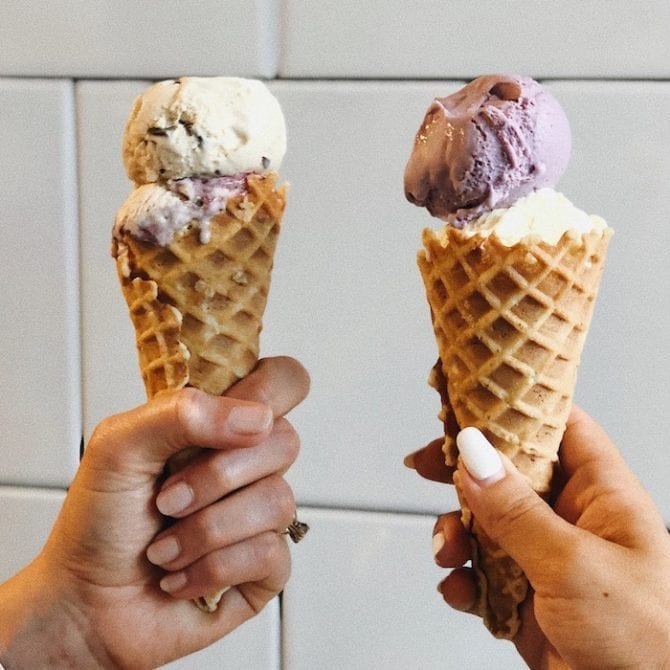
x=174, y=499
x=164, y=550
x=480, y=457
x=173, y=582
x=249, y=419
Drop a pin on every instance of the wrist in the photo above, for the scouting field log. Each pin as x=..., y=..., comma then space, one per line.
x=41, y=628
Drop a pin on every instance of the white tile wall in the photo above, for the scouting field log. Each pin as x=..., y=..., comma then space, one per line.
x=39, y=274
x=363, y=596
x=434, y=38
x=111, y=379
x=346, y=296
x=26, y=517
x=254, y=646
x=78, y=38
x=621, y=170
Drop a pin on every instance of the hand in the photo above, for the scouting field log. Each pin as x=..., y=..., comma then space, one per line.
x=95, y=596
x=598, y=563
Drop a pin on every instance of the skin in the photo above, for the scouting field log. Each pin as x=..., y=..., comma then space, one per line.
x=598, y=562
x=93, y=598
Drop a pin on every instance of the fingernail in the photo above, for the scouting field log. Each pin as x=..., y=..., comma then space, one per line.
x=438, y=543
x=409, y=461
x=173, y=582
x=480, y=457
x=249, y=419
x=174, y=499
x=164, y=550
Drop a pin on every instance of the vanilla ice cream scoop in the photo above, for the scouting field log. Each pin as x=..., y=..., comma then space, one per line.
x=203, y=127
x=496, y=140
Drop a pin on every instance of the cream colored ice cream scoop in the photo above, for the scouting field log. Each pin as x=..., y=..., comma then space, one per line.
x=203, y=126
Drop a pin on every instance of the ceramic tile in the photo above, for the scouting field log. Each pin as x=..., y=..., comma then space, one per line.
x=26, y=519
x=347, y=298
x=40, y=407
x=252, y=646
x=363, y=595
x=111, y=377
x=431, y=39
x=130, y=39
x=620, y=169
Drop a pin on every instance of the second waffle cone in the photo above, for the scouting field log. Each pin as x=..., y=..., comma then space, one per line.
x=510, y=324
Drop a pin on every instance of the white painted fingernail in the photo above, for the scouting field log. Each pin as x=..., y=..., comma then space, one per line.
x=480, y=457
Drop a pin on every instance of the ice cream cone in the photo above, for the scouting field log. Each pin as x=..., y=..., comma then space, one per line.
x=510, y=324
x=197, y=308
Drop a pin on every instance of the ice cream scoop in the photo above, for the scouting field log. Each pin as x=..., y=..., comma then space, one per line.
x=204, y=126
x=496, y=140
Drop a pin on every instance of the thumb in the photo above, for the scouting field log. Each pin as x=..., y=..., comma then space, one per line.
x=507, y=508
x=141, y=440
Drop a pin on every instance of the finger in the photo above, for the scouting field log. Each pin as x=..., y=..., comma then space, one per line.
x=144, y=438
x=585, y=442
x=459, y=589
x=451, y=543
x=266, y=505
x=280, y=383
x=217, y=473
x=429, y=462
x=508, y=509
x=594, y=466
x=263, y=557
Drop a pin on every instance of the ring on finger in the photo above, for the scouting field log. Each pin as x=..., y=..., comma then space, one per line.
x=296, y=530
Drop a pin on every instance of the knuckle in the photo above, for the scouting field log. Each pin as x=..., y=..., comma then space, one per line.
x=224, y=477
x=111, y=430
x=185, y=406
x=269, y=550
x=281, y=498
x=296, y=372
x=203, y=528
x=212, y=569
x=515, y=513
x=290, y=439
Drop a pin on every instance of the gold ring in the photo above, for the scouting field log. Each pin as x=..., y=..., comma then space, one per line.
x=296, y=529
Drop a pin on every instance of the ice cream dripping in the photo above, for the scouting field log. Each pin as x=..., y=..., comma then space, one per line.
x=154, y=213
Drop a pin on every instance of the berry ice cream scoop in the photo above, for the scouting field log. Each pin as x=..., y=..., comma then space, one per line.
x=494, y=141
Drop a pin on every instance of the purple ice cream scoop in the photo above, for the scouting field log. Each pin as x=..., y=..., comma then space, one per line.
x=496, y=140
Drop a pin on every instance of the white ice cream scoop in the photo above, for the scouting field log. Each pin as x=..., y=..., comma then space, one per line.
x=203, y=127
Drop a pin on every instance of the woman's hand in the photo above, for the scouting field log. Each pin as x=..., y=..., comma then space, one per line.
x=598, y=563
x=112, y=585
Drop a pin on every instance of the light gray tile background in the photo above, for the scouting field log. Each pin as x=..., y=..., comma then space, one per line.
x=354, y=80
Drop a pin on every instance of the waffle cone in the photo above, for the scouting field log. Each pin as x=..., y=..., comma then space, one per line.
x=197, y=308
x=510, y=324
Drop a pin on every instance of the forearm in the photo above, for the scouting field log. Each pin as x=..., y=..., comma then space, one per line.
x=41, y=629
